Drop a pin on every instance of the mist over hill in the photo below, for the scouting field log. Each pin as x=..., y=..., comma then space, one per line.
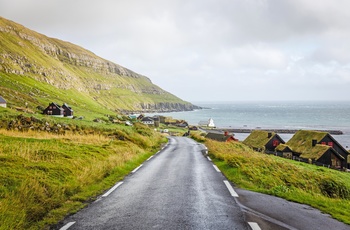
x=36, y=69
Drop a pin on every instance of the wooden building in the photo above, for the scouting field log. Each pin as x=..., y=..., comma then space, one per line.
x=54, y=110
x=147, y=121
x=223, y=137
x=319, y=147
x=261, y=140
x=68, y=111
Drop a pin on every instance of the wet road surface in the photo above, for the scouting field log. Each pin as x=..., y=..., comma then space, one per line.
x=178, y=188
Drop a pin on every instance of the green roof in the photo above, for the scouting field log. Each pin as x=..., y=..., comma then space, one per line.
x=315, y=152
x=301, y=142
x=217, y=136
x=258, y=138
x=282, y=147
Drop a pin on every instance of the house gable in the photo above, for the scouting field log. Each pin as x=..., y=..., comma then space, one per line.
x=68, y=111
x=330, y=141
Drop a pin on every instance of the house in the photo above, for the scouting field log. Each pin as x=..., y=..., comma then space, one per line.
x=263, y=140
x=3, y=103
x=223, y=137
x=68, y=111
x=54, y=110
x=285, y=151
x=147, y=121
x=209, y=123
x=319, y=147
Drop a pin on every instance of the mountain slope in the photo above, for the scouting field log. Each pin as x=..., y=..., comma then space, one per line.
x=36, y=69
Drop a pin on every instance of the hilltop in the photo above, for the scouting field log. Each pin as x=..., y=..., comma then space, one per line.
x=36, y=70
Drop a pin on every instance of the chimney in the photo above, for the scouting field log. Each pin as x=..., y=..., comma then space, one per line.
x=226, y=133
x=269, y=135
x=314, y=142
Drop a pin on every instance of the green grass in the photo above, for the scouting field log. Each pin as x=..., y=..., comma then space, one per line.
x=45, y=176
x=325, y=189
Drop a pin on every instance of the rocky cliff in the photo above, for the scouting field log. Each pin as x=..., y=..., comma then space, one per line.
x=57, y=65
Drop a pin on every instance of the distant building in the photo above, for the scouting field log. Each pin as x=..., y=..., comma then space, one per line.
x=54, y=110
x=3, y=102
x=147, y=121
x=209, y=123
x=223, y=137
x=68, y=111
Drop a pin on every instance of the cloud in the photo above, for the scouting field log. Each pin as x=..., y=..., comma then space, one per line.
x=251, y=49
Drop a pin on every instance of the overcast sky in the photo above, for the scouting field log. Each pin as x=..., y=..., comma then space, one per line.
x=210, y=50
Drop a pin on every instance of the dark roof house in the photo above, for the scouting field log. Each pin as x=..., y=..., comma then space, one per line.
x=147, y=121
x=263, y=140
x=223, y=137
x=320, y=147
x=54, y=110
x=3, y=102
x=68, y=111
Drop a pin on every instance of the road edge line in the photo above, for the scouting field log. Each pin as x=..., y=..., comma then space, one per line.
x=216, y=168
x=133, y=171
x=112, y=189
x=230, y=189
x=254, y=226
x=67, y=225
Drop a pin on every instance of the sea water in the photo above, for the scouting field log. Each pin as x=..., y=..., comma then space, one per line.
x=274, y=115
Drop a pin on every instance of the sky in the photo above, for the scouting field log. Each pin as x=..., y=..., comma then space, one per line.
x=210, y=50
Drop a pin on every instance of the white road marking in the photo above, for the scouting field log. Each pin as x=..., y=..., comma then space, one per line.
x=216, y=168
x=112, y=189
x=67, y=226
x=133, y=171
x=254, y=226
x=149, y=158
x=209, y=158
x=230, y=189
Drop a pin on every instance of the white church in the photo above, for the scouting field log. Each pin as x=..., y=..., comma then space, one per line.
x=209, y=123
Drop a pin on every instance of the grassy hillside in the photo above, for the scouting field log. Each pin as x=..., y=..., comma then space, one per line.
x=325, y=189
x=45, y=175
x=38, y=69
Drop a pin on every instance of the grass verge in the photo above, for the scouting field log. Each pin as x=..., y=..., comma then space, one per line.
x=325, y=189
x=44, y=175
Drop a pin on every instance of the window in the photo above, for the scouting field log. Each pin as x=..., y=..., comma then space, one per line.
x=275, y=143
x=323, y=143
x=331, y=144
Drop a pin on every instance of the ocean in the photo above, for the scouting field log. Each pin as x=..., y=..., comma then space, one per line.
x=276, y=115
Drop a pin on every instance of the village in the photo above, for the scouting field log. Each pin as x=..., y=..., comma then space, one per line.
x=309, y=146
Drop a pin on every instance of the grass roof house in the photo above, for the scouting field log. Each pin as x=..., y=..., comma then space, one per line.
x=320, y=147
x=263, y=140
x=223, y=137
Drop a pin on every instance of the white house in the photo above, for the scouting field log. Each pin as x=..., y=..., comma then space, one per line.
x=147, y=121
x=3, y=103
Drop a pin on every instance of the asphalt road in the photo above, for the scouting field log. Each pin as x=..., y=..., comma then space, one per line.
x=178, y=188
